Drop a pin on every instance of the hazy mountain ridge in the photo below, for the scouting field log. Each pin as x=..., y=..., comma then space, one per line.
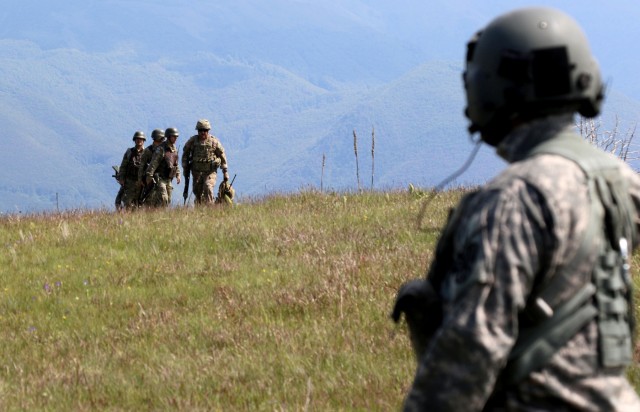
x=282, y=83
x=289, y=114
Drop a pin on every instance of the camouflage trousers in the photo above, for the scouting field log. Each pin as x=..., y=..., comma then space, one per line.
x=204, y=187
x=131, y=193
x=162, y=193
x=119, y=196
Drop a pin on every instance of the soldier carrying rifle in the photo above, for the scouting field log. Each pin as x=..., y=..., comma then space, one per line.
x=147, y=193
x=164, y=167
x=129, y=169
x=203, y=155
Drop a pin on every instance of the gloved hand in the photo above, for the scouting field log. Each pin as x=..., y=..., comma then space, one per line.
x=422, y=309
x=150, y=180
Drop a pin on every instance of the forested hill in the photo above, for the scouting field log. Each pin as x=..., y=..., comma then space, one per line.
x=285, y=84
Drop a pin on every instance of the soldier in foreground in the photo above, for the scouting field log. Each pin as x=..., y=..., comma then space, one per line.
x=203, y=155
x=164, y=167
x=527, y=303
x=128, y=171
x=148, y=195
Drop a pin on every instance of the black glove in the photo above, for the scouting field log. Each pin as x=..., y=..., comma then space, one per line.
x=422, y=310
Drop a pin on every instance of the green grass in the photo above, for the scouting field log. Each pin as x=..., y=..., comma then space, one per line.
x=278, y=304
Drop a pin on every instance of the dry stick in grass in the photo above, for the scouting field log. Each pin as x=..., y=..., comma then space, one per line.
x=307, y=401
x=355, y=150
x=373, y=153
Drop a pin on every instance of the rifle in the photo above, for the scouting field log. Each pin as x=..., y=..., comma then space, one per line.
x=187, y=178
x=116, y=170
x=147, y=189
x=187, y=172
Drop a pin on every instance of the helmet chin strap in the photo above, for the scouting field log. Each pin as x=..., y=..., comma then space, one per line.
x=449, y=179
x=502, y=123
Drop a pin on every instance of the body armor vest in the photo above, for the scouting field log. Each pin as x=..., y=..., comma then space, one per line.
x=147, y=155
x=203, y=155
x=607, y=297
x=135, y=160
x=168, y=166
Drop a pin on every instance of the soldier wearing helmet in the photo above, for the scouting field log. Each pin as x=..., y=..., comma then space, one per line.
x=203, y=155
x=527, y=303
x=128, y=171
x=164, y=167
x=148, y=195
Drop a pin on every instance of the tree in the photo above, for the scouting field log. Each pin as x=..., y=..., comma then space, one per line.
x=611, y=141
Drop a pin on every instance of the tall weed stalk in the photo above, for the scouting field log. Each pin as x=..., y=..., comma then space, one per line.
x=355, y=151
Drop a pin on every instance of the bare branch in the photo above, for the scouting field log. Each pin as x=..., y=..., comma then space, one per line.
x=610, y=141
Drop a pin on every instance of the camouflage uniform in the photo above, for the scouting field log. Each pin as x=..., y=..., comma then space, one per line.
x=527, y=303
x=152, y=198
x=147, y=155
x=500, y=243
x=164, y=165
x=204, y=157
x=129, y=169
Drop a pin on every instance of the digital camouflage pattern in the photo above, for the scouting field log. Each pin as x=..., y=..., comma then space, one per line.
x=499, y=243
x=206, y=156
x=203, y=124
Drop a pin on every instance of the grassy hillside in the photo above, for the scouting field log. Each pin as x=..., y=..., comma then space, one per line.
x=278, y=304
x=72, y=115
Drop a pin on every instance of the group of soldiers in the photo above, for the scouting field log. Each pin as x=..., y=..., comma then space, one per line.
x=145, y=174
x=527, y=304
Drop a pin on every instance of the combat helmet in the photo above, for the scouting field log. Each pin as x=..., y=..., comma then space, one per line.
x=203, y=124
x=171, y=131
x=139, y=135
x=157, y=135
x=529, y=63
